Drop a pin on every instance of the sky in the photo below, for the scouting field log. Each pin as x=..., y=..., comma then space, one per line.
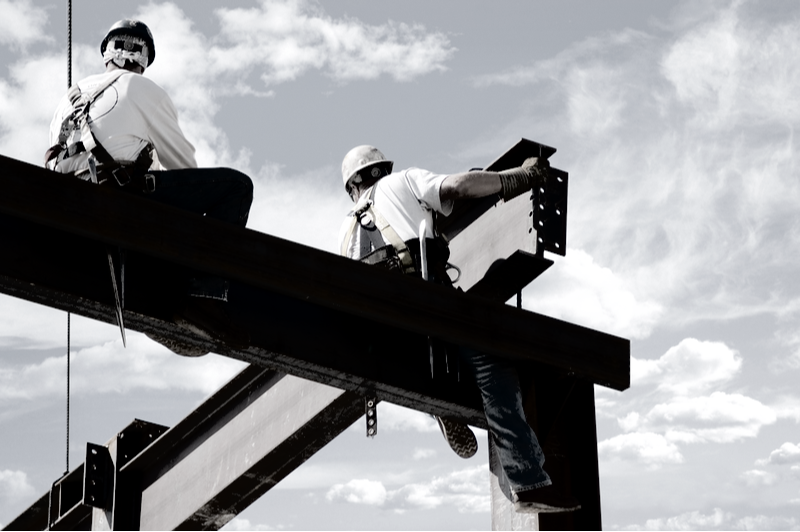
x=675, y=121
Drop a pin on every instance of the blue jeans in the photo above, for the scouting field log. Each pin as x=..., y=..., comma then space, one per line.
x=516, y=444
x=221, y=193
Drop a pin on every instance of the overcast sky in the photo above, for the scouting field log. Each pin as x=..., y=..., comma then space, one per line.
x=676, y=123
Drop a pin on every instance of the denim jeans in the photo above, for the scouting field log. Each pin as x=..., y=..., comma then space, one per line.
x=221, y=193
x=516, y=444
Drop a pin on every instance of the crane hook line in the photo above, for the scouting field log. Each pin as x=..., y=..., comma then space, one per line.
x=69, y=84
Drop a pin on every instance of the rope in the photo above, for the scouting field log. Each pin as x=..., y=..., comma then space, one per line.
x=69, y=84
x=68, y=372
x=69, y=44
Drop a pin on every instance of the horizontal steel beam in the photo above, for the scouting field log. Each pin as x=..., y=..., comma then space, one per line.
x=294, y=275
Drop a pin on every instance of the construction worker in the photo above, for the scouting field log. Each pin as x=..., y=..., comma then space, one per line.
x=383, y=229
x=120, y=129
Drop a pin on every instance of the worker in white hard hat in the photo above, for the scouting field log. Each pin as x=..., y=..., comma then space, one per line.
x=383, y=229
x=120, y=129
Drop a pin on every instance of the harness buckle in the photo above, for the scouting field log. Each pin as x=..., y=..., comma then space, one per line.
x=149, y=183
x=121, y=175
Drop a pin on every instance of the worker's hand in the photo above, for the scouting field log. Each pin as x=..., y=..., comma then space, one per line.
x=516, y=181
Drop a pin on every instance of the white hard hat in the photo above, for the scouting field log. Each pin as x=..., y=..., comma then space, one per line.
x=359, y=158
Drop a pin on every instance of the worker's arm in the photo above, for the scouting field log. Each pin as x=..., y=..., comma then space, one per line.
x=469, y=185
x=508, y=183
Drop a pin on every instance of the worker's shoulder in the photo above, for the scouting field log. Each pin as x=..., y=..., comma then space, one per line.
x=140, y=82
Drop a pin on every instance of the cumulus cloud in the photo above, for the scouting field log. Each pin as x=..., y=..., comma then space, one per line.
x=757, y=478
x=648, y=448
x=359, y=491
x=422, y=454
x=582, y=291
x=689, y=368
x=108, y=368
x=788, y=453
x=464, y=489
x=717, y=520
x=679, y=403
x=22, y=23
x=14, y=486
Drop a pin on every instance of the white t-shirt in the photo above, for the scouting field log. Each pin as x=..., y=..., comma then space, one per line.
x=404, y=199
x=128, y=115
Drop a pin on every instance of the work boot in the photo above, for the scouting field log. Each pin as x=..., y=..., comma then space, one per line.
x=209, y=318
x=544, y=500
x=459, y=436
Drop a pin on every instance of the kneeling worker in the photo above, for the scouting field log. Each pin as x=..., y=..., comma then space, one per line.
x=120, y=129
x=399, y=202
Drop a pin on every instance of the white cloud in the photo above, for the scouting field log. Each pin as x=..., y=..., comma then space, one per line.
x=689, y=368
x=288, y=38
x=717, y=520
x=757, y=478
x=14, y=486
x=718, y=418
x=359, y=491
x=788, y=453
x=22, y=23
x=464, y=489
x=579, y=290
x=423, y=454
x=685, y=191
x=110, y=368
x=240, y=523
x=648, y=448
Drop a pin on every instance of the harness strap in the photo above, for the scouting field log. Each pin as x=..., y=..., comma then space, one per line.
x=386, y=230
x=80, y=115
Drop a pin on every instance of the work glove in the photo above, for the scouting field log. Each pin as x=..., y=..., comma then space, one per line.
x=516, y=181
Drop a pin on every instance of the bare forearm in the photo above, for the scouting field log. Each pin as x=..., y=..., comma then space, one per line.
x=469, y=185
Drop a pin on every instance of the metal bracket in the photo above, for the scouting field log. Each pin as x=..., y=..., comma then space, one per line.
x=98, y=477
x=371, y=410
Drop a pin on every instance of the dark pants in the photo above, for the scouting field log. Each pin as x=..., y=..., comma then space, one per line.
x=221, y=193
x=516, y=444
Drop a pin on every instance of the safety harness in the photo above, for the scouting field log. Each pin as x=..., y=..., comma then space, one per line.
x=388, y=249
x=76, y=137
x=375, y=227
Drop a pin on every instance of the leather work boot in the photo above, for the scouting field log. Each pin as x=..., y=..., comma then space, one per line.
x=544, y=500
x=209, y=318
x=459, y=436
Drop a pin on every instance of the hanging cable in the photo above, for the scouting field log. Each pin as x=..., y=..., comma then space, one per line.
x=69, y=84
x=68, y=368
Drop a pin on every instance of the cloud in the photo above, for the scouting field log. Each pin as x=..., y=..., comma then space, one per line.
x=359, y=491
x=718, y=418
x=14, y=486
x=689, y=368
x=717, y=520
x=465, y=489
x=788, y=453
x=22, y=23
x=423, y=454
x=582, y=291
x=108, y=368
x=648, y=448
x=757, y=478
x=286, y=39
x=682, y=171
x=674, y=406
